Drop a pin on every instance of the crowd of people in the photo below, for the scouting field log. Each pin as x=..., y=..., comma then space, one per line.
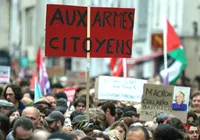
x=53, y=117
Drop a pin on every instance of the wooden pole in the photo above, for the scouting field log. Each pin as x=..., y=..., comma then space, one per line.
x=88, y=65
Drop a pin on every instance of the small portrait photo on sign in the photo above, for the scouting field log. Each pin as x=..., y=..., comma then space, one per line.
x=179, y=101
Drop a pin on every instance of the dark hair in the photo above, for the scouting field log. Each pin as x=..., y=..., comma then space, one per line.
x=13, y=110
x=140, y=128
x=24, y=83
x=57, y=85
x=100, y=135
x=192, y=114
x=31, y=93
x=75, y=113
x=79, y=100
x=16, y=89
x=23, y=122
x=129, y=108
x=62, y=135
x=127, y=120
x=176, y=123
x=167, y=132
x=4, y=123
x=61, y=95
x=109, y=105
x=129, y=114
x=88, y=138
x=197, y=93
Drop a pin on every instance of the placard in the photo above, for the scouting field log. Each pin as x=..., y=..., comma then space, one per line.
x=122, y=89
x=111, y=31
x=158, y=99
x=70, y=92
x=4, y=74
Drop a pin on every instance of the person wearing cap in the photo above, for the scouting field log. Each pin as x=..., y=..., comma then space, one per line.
x=61, y=105
x=77, y=120
x=54, y=121
x=52, y=100
x=5, y=106
x=43, y=102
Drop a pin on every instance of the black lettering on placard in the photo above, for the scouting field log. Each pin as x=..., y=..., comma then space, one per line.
x=64, y=44
x=108, y=51
x=100, y=44
x=131, y=18
x=68, y=17
x=97, y=19
x=75, y=39
x=148, y=91
x=106, y=16
x=57, y=16
x=114, y=18
x=158, y=93
x=120, y=47
x=124, y=20
x=85, y=45
x=153, y=102
x=82, y=18
x=51, y=43
x=129, y=47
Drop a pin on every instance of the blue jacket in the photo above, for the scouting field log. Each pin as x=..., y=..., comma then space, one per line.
x=182, y=107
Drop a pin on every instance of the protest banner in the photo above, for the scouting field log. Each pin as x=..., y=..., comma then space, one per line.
x=4, y=74
x=70, y=92
x=122, y=89
x=111, y=31
x=158, y=99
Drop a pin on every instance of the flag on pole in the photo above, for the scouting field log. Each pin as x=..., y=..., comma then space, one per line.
x=43, y=76
x=176, y=52
x=32, y=82
x=37, y=93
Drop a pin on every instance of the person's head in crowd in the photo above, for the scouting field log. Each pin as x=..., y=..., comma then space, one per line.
x=5, y=106
x=77, y=120
x=13, y=114
x=151, y=132
x=109, y=109
x=12, y=93
x=43, y=102
x=52, y=100
x=121, y=127
x=176, y=123
x=138, y=133
x=61, y=136
x=75, y=113
x=79, y=90
x=195, y=98
x=80, y=104
x=115, y=135
x=168, y=132
x=61, y=105
x=23, y=129
x=100, y=135
x=131, y=114
x=4, y=123
x=191, y=117
x=78, y=133
x=195, y=84
x=161, y=118
x=26, y=101
x=129, y=108
x=61, y=95
x=54, y=121
x=98, y=116
x=29, y=94
x=40, y=135
x=43, y=114
x=127, y=120
x=24, y=85
x=193, y=131
x=33, y=114
x=91, y=102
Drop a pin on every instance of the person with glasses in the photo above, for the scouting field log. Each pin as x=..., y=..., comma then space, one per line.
x=54, y=121
x=193, y=131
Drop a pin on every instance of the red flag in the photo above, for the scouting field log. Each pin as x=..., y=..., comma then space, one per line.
x=38, y=60
x=173, y=41
x=116, y=66
x=32, y=83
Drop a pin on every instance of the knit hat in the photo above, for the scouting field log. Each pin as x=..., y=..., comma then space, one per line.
x=61, y=105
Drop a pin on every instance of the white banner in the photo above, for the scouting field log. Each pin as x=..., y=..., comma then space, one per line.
x=4, y=74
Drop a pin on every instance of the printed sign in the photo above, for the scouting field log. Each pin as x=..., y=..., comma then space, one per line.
x=158, y=99
x=4, y=74
x=111, y=31
x=70, y=92
x=122, y=89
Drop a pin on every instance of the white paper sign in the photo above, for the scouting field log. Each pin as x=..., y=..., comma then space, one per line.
x=4, y=74
x=122, y=89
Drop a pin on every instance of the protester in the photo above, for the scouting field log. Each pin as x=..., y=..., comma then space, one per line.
x=193, y=131
x=138, y=132
x=12, y=93
x=43, y=102
x=5, y=106
x=4, y=124
x=80, y=104
x=61, y=105
x=191, y=116
x=52, y=100
x=54, y=121
x=13, y=114
x=29, y=94
x=196, y=103
x=40, y=135
x=121, y=127
x=23, y=129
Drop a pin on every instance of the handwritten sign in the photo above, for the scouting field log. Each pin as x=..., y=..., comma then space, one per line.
x=4, y=74
x=158, y=99
x=123, y=89
x=111, y=31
